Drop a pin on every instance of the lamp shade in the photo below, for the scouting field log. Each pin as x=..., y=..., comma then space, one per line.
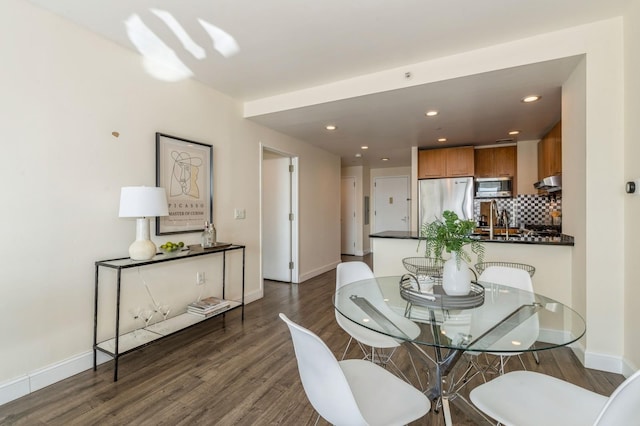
x=143, y=201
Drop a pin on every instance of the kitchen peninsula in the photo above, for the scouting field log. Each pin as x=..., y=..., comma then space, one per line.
x=551, y=256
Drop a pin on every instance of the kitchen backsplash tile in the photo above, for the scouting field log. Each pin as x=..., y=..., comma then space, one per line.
x=528, y=209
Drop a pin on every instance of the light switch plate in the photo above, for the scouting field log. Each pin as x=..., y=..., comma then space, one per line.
x=239, y=214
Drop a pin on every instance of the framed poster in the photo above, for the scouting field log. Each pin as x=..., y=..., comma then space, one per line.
x=184, y=169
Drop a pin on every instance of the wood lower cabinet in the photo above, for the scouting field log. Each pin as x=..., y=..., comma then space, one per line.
x=550, y=153
x=445, y=162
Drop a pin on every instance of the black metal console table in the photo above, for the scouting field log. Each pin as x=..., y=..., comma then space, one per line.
x=121, y=344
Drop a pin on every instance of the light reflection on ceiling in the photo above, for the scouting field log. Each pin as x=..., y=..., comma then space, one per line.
x=160, y=60
x=222, y=41
x=187, y=42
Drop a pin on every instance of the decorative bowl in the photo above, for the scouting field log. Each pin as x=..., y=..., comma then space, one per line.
x=171, y=249
x=168, y=252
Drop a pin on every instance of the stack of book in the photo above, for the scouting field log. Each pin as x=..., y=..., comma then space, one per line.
x=207, y=307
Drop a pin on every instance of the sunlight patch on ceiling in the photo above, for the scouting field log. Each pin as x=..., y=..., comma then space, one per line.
x=160, y=60
x=187, y=42
x=222, y=41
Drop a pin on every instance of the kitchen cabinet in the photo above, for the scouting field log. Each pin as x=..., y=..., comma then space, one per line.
x=445, y=162
x=432, y=163
x=550, y=153
x=496, y=162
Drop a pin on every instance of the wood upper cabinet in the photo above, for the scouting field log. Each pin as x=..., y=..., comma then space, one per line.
x=550, y=153
x=432, y=163
x=506, y=161
x=484, y=162
x=445, y=162
x=460, y=161
x=496, y=162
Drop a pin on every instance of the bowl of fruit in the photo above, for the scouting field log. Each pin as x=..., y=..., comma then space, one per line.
x=171, y=249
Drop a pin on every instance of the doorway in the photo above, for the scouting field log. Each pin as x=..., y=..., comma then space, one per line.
x=391, y=203
x=279, y=216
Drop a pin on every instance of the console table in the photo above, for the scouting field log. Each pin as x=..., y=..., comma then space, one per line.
x=121, y=344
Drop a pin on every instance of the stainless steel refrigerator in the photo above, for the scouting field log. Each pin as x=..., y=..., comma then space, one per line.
x=437, y=195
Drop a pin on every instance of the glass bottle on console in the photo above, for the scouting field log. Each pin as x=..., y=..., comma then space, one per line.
x=208, y=237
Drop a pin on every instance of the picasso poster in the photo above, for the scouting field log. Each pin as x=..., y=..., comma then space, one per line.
x=184, y=169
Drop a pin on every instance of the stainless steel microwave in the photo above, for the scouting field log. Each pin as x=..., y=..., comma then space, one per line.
x=494, y=187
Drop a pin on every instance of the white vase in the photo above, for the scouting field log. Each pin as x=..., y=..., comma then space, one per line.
x=456, y=281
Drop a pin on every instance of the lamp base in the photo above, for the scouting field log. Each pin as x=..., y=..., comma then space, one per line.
x=142, y=248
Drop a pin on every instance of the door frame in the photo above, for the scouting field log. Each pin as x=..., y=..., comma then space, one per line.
x=294, y=200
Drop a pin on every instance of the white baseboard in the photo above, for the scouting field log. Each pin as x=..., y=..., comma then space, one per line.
x=628, y=368
x=604, y=362
x=609, y=363
x=578, y=351
x=318, y=271
x=253, y=296
x=14, y=389
x=49, y=375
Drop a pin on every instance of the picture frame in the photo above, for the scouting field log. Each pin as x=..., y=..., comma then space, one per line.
x=184, y=168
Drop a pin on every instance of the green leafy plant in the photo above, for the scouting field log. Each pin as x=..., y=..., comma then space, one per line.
x=451, y=235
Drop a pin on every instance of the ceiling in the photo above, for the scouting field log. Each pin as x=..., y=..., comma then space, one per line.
x=251, y=49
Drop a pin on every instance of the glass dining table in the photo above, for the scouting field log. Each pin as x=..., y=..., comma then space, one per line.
x=439, y=329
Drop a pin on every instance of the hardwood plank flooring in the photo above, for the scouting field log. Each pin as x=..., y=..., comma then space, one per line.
x=229, y=372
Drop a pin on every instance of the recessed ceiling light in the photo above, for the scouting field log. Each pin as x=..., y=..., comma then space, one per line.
x=514, y=132
x=431, y=113
x=358, y=155
x=442, y=139
x=364, y=147
x=385, y=159
x=531, y=98
x=330, y=127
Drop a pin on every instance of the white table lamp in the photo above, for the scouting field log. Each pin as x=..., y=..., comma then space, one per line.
x=143, y=202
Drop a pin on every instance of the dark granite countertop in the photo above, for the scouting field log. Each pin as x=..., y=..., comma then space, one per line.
x=560, y=240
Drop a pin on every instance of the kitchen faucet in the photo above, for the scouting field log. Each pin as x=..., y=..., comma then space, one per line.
x=491, y=222
x=505, y=221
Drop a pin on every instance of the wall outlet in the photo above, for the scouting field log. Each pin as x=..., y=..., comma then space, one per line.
x=200, y=279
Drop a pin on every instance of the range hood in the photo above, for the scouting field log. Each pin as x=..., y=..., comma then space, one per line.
x=550, y=184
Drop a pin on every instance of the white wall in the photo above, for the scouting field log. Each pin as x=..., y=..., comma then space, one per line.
x=632, y=171
x=604, y=189
x=574, y=202
x=64, y=90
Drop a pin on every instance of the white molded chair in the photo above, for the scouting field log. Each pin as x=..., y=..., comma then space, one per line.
x=352, y=392
x=348, y=272
x=526, y=333
x=525, y=398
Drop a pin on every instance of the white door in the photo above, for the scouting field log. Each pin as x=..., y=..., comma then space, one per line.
x=276, y=223
x=392, y=203
x=348, y=215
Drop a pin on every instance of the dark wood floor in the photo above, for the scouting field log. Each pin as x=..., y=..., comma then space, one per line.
x=230, y=372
